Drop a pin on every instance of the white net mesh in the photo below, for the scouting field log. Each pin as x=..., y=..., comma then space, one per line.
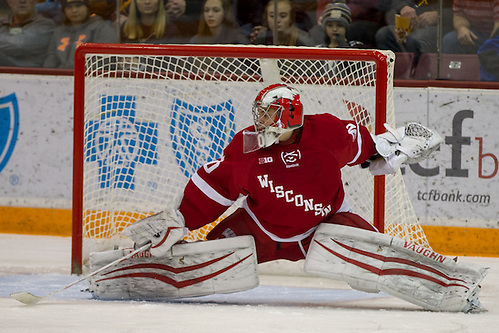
x=151, y=121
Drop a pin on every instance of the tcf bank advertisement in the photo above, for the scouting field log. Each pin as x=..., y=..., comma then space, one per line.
x=458, y=185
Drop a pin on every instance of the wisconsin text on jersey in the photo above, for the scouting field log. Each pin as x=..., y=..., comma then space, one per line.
x=289, y=196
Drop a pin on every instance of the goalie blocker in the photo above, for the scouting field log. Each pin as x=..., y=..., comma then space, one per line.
x=186, y=270
x=374, y=262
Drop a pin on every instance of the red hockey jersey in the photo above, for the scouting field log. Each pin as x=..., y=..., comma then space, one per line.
x=289, y=188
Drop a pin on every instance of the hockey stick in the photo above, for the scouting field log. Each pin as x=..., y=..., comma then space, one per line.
x=28, y=298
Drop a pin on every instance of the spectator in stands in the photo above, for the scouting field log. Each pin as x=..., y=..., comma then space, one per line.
x=78, y=27
x=474, y=23
x=24, y=35
x=336, y=21
x=424, y=20
x=368, y=16
x=217, y=25
x=488, y=55
x=252, y=11
x=147, y=22
x=288, y=32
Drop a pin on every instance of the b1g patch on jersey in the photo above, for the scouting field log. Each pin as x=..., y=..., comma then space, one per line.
x=265, y=160
x=291, y=158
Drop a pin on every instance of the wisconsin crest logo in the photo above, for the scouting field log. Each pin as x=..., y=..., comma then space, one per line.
x=9, y=127
x=291, y=158
x=118, y=142
x=200, y=133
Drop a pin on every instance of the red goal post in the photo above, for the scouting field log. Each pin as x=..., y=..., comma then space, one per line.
x=146, y=116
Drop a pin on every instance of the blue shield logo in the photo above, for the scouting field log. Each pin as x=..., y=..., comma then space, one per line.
x=9, y=127
x=118, y=142
x=200, y=133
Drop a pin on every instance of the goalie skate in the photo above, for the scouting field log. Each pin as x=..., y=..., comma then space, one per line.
x=188, y=270
x=375, y=262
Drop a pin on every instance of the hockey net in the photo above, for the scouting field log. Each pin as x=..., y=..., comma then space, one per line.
x=147, y=117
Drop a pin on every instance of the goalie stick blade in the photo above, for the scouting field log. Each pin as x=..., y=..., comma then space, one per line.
x=26, y=298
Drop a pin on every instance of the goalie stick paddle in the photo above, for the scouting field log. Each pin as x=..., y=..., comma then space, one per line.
x=28, y=298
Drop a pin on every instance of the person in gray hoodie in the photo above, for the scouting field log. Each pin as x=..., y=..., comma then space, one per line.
x=24, y=35
x=79, y=26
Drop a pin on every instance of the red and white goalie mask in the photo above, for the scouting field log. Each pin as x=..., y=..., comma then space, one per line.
x=277, y=109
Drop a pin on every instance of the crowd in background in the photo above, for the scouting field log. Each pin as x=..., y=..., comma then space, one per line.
x=46, y=33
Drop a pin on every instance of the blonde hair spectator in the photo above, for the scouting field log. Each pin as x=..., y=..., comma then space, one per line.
x=148, y=22
x=284, y=21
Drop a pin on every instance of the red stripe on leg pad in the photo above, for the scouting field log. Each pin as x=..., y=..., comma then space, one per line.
x=392, y=271
x=170, y=268
x=397, y=260
x=172, y=282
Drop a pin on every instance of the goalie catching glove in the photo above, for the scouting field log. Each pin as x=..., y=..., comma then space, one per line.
x=404, y=145
x=162, y=230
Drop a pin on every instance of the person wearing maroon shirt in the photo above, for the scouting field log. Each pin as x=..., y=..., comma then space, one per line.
x=290, y=186
x=286, y=170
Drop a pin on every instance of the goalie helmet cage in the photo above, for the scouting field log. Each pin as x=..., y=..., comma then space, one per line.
x=146, y=117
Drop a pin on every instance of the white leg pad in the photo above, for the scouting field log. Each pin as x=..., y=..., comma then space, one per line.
x=188, y=270
x=372, y=261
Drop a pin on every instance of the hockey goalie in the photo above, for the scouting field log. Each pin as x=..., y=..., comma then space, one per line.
x=286, y=170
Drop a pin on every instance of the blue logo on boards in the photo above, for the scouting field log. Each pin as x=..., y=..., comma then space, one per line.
x=118, y=142
x=9, y=127
x=200, y=133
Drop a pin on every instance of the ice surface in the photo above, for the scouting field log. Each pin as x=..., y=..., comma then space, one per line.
x=282, y=303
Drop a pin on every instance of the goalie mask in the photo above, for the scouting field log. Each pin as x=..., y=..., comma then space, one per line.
x=277, y=109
